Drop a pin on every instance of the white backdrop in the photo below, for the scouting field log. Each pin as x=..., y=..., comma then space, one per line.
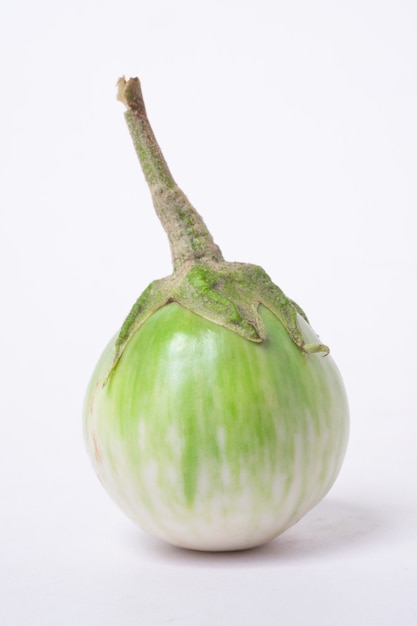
x=292, y=127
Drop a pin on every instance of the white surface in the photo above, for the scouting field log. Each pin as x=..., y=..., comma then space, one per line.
x=292, y=127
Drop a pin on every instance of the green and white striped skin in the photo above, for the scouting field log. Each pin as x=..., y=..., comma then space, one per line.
x=210, y=441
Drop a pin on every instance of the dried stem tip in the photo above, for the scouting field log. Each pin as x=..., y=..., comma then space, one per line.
x=129, y=92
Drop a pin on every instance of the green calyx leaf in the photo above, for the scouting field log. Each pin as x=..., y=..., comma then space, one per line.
x=227, y=294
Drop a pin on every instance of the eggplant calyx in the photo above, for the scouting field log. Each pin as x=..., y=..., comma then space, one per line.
x=227, y=294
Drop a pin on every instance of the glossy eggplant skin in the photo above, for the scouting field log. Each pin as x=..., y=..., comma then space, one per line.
x=212, y=442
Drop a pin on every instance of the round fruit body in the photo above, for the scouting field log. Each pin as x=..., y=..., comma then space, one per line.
x=209, y=441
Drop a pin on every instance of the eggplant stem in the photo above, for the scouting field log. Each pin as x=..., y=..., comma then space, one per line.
x=189, y=237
